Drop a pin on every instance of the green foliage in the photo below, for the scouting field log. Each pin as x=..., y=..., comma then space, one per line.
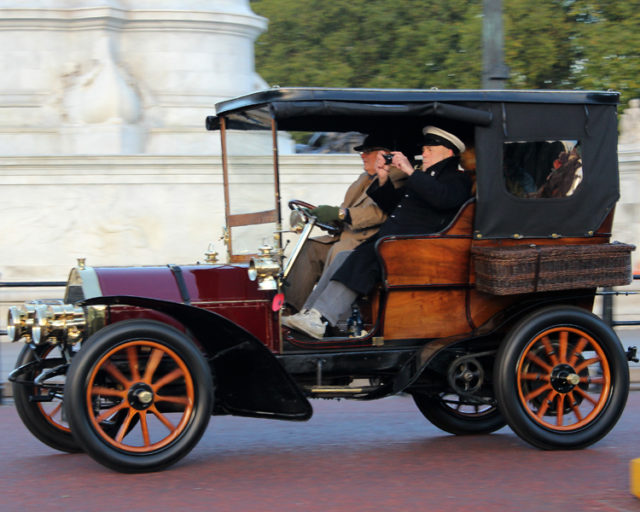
x=371, y=43
x=608, y=44
x=560, y=44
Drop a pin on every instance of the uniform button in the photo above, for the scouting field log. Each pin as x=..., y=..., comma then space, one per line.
x=406, y=195
x=399, y=206
x=393, y=216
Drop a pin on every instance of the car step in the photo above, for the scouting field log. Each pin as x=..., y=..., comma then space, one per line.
x=338, y=391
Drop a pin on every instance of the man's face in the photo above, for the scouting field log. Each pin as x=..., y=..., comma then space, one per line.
x=433, y=154
x=369, y=160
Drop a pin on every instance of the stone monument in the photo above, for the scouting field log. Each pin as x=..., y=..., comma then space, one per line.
x=120, y=77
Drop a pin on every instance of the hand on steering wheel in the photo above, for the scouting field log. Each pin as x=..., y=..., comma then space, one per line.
x=305, y=208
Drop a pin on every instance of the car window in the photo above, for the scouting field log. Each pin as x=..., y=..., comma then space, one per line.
x=542, y=169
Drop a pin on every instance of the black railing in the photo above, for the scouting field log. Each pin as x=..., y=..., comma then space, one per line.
x=607, y=305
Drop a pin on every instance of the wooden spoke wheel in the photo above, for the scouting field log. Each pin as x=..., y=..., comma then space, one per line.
x=563, y=378
x=150, y=381
x=40, y=407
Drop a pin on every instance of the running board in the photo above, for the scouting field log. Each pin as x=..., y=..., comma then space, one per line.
x=341, y=391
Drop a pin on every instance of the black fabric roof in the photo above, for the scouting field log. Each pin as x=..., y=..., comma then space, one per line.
x=483, y=119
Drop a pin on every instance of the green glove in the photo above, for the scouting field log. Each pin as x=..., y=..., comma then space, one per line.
x=326, y=214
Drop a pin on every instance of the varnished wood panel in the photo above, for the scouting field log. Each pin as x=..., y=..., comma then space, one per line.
x=483, y=306
x=425, y=314
x=432, y=261
x=439, y=259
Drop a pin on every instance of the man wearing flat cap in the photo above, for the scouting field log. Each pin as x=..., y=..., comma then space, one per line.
x=427, y=203
x=358, y=216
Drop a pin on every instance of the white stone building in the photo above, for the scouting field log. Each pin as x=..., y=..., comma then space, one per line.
x=103, y=150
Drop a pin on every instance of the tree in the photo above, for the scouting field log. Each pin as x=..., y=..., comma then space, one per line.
x=538, y=44
x=607, y=46
x=560, y=44
x=370, y=43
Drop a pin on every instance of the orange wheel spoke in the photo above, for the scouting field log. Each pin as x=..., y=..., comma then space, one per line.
x=589, y=380
x=539, y=391
x=124, y=428
x=577, y=351
x=110, y=412
x=563, y=342
x=169, y=377
x=183, y=400
x=55, y=410
x=100, y=390
x=560, y=410
x=545, y=404
x=536, y=376
x=549, y=350
x=586, y=363
x=116, y=374
x=152, y=364
x=535, y=359
x=145, y=428
x=162, y=418
x=574, y=407
x=132, y=356
x=586, y=396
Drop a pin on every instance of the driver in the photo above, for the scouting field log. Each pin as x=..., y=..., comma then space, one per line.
x=359, y=216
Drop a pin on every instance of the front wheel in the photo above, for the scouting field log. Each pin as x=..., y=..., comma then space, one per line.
x=562, y=378
x=154, y=380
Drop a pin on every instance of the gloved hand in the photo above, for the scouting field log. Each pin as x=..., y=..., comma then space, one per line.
x=326, y=214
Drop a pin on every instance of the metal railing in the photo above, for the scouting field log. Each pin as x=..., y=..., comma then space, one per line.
x=607, y=305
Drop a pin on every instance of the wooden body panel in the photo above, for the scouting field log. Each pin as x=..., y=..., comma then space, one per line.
x=429, y=280
x=426, y=262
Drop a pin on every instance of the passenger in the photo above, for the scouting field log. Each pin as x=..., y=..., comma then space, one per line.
x=359, y=216
x=428, y=201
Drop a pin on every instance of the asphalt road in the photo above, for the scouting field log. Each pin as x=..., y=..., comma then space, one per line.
x=352, y=456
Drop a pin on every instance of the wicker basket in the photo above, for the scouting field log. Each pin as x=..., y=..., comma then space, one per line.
x=539, y=268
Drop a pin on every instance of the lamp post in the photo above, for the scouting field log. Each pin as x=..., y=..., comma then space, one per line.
x=494, y=71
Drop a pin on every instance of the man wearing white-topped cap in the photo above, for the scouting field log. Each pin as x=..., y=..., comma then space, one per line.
x=427, y=203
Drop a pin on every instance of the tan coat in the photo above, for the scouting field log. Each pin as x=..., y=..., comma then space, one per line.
x=366, y=215
x=318, y=252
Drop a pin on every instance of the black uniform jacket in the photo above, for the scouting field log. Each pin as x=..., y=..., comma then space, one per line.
x=426, y=204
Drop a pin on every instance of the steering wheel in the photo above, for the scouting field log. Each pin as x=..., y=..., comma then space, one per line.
x=303, y=207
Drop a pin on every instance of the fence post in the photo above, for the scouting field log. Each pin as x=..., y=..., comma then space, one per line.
x=607, y=306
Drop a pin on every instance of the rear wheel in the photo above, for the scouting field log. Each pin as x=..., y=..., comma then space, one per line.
x=562, y=378
x=460, y=416
x=157, y=384
x=40, y=407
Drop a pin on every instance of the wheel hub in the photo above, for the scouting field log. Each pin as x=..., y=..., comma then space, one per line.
x=140, y=396
x=564, y=378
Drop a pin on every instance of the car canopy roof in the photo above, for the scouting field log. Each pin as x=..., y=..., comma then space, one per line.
x=484, y=119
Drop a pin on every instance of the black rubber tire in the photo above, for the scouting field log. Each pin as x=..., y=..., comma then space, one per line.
x=103, y=368
x=43, y=419
x=528, y=386
x=483, y=420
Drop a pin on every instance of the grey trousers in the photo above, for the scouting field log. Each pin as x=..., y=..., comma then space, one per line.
x=306, y=271
x=332, y=298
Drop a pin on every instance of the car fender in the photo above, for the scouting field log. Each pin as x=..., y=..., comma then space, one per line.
x=249, y=380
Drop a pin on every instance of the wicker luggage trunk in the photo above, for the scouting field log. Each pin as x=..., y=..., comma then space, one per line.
x=538, y=268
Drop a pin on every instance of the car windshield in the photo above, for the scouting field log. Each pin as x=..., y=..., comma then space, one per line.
x=250, y=187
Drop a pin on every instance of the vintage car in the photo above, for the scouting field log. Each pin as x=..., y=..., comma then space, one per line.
x=488, y=323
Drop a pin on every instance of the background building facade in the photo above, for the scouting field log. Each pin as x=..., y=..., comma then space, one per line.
x=103, y=150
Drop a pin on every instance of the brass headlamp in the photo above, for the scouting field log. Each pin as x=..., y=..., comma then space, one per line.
x=264, y=268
